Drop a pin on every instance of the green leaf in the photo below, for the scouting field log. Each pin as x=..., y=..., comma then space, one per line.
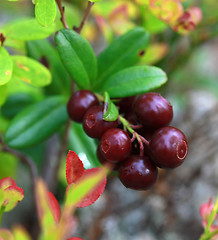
x=3, y=94
x=124, y=52
x=111, y=112
x=77, y=56
x=27, y=29
x=84, y=146
x=45, y=12
x=36, y=123
x=15, y=103
x=30, y=71
x=6, y=66
x=134, y=80
x=43, y=49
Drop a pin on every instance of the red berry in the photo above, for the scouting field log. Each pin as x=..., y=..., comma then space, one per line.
x=126, y=104
x=138, y=173
x=93, y=123
x=79, y=103
x=103, y=160
x=168, y=147
x=152, y=110
x=115, y=145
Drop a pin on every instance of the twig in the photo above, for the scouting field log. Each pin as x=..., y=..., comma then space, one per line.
x=88, y=9
x=62, y=12
x=23, y=158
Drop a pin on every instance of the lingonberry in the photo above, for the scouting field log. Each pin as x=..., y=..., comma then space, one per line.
x=93, y=123
x=152, y=110
x=138, y=172
x=103, y=160
x=168, y=147
x=79, y=103
x=126, y=104
x=115, y=145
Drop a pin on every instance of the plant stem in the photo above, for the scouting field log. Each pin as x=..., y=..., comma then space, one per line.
x=23, y=158
x=209, y=235
x=62, y=12
x=88, y=9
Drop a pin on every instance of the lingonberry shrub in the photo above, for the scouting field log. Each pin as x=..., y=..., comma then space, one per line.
x=109, y=95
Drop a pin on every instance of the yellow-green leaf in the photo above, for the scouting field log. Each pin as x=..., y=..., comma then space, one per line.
x=6, y=66
x=45, y=12
x=20, y=233
x=3, y=94
x=6, y=234
x=30, y=71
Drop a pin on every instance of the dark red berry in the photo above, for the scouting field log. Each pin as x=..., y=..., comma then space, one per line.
x=152, y=110
x=103, y=160
x=115, y=145
x=93, y=123
x=79, y=103
x=126, y=104
x=168, y=147
x=138, y=173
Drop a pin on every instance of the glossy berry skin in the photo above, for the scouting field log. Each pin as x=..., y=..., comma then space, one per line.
x=79, y=103
x=115, y=145
x=138, y=173
x=104, y=161
x=93, y=123
x=168, y=147
x=152, y=110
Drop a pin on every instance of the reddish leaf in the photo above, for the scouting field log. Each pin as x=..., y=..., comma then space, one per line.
x=54, y=206
x=74, y=167
x=12, y=195
x=96, y=192
x=6, y=182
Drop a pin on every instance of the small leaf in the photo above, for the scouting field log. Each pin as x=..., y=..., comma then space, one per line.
x=30, y=71
x=37, y=122
x=77, y=56
x=96, y=192
x=74, y=167
x=110, y=112
x=54, y=206
x=7, y=182
x=12, y=195
x=43, y=206
x=6, y=234
x=89, y=188
x=124, y=52
x=45, y=12
x=27, y=30
x=134, y=80
x=6, y=66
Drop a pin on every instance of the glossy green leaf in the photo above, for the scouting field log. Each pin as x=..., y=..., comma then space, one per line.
x=30, y=71
x=134, y=80
x=83, y=145
x=36, y=123
x=27, y=29
x=6, y=66
x=111, y=112
x=124, y=52
x=77, y=56
x=45, y=51
x=15, y=103
x=45, y=12
x=3, y=94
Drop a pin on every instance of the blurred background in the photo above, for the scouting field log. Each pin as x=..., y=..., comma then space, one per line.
x=189, y=56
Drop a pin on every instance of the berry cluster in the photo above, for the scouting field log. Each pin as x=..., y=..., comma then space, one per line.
x=145, y=119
